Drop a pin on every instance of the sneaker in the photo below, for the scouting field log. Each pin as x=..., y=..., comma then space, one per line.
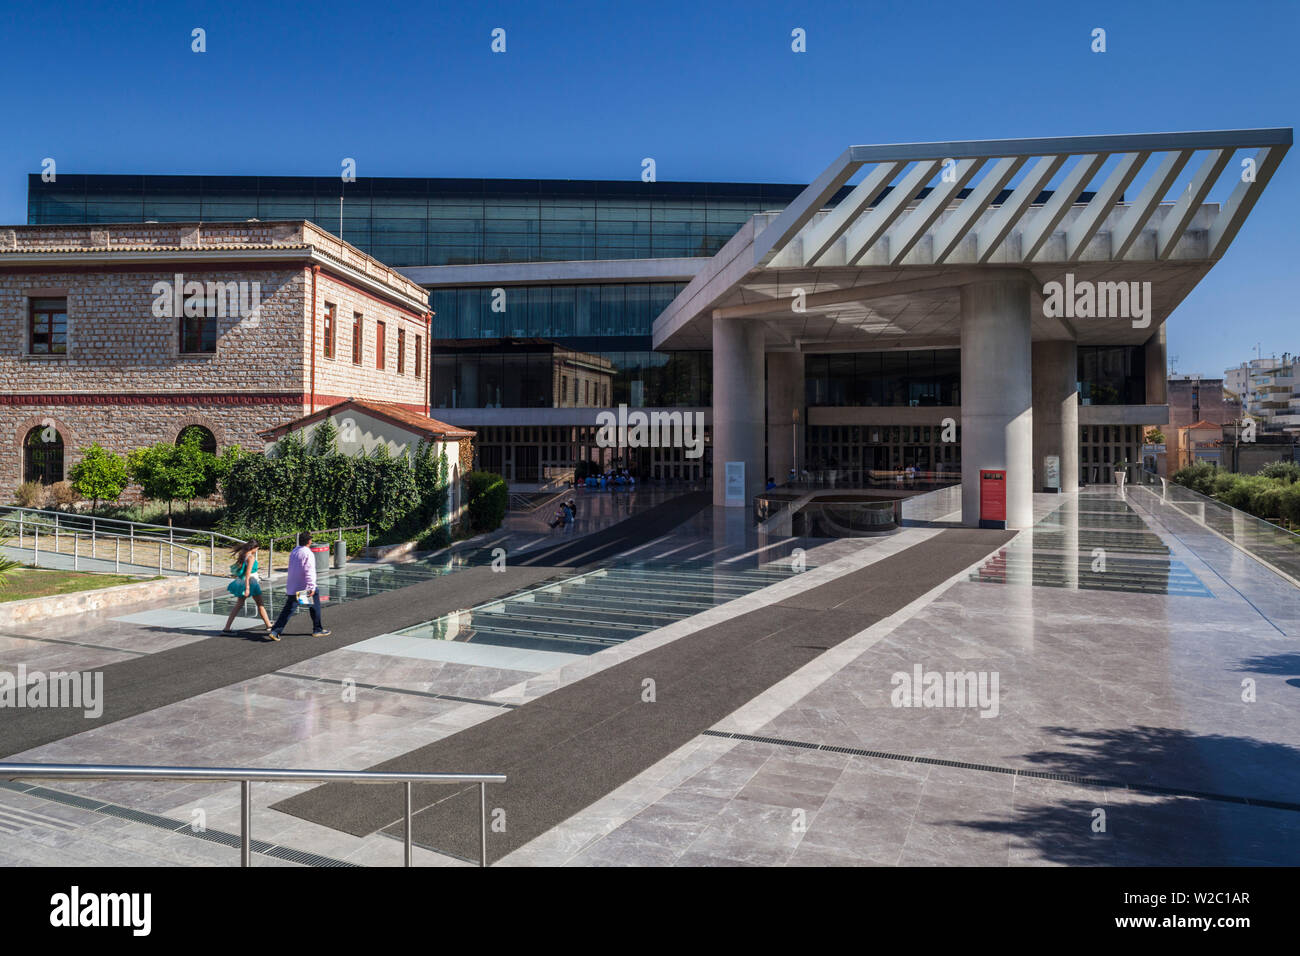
x=272, y=636
x=323, y=632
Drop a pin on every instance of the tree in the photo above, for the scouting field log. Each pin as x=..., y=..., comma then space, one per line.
x=100, y=475
x=1155, y=436
x=167, y=472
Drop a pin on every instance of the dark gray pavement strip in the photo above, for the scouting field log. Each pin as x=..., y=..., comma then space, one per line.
x=135, y=686
x=567, y=749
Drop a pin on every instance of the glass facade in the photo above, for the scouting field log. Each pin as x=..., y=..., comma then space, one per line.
x=550, y=311
x=1112, y=375
x=494, y=374
x=860, y=450
x=415, y=222
x=899, y=378
x=574, y=345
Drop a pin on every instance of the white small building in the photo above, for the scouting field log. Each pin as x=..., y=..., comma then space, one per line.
x=362, y=425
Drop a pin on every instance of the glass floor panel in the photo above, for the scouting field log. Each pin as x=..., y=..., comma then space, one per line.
x=589, y=612
x=1060, y=551
x=1141, y=575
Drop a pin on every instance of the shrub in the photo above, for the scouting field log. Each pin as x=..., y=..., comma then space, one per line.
x=436, y=537
x=1290, y=503
x=61, y=494
x=1223, y=483
x=1266, y=500
x=292, y=489
x=30, y=494
x=1287, y=471
x=100, y=475
x=487, y=496
x=1198, y=477
x=1235, y=490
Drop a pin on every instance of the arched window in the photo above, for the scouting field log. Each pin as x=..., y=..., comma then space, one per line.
x=43, y=455
x=207, y=441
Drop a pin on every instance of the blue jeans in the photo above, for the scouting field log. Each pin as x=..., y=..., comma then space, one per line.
x=292, y=605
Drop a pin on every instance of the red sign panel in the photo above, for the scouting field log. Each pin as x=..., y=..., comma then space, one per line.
x=993, y=495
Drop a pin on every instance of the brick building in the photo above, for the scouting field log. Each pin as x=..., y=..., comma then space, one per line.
x=126, y=334
x=1196, y=406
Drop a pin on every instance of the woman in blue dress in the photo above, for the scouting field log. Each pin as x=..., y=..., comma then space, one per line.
x=245, y=584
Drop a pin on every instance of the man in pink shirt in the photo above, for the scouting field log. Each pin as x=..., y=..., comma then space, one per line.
x=301, y=577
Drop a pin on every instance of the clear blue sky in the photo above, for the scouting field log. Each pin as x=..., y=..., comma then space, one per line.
x=710, y=90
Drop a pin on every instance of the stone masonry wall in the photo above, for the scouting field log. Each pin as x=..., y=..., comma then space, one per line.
x=341, y=376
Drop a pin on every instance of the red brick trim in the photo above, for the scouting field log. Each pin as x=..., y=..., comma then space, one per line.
x=190, y=398
x=160, y=266
x=158, y=398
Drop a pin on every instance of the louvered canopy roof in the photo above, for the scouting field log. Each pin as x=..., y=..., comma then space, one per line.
x=884, y=267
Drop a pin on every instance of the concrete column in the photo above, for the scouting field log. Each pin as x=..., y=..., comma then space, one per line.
x=737, y=405
x=1056, y=412
x=996, y=397
x=1155, y=352
x=785, y=413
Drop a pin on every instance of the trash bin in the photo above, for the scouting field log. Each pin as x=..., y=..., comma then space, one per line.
x=340, y=553
x=322, y=554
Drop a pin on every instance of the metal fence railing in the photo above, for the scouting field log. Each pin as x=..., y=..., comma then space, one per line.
x=245, y=777
x=140, y=537
x=49, y=539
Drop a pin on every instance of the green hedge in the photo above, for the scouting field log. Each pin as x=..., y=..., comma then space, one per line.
x=297, y=487
x=487, y=497
x=1273, y=493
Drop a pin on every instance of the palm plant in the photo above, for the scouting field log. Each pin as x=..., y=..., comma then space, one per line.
x=7, y=566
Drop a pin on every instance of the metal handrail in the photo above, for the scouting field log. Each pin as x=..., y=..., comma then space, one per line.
x=73, y=518
x=1283, y=558
x=245, y=777
x=25, y=526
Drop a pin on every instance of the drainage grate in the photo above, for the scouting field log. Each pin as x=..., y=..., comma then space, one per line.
x=305, y=858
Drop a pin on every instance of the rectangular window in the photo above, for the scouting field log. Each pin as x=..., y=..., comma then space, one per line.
x=417, y=356
x=48, y=327
x=356, y=338
x=380, y=344
x=401, y=351
x=327, y=342
x=199, y=332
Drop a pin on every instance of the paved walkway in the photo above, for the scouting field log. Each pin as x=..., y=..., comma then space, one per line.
x=564, y=751
x=1148, y=712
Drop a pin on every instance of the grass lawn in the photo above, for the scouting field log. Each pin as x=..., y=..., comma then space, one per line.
x=24, y=583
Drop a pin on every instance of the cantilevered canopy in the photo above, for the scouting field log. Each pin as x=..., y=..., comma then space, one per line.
x=882, y=268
